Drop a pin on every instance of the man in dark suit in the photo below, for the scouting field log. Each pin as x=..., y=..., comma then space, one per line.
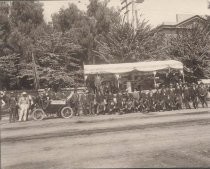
x=75, y=101
x=164, y=98
x=171, y=97
x=203, y=92
x=194, y=95
x=186, y=96
x=13, y=107
x=178, y=96
x=151, y=105
x=157, y=100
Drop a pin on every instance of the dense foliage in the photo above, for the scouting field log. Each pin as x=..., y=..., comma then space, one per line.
x=192, y=48
x=123, y=44
x=55, y=52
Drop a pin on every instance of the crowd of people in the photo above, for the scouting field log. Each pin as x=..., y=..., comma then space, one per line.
x=165, y=98
x=160, y=99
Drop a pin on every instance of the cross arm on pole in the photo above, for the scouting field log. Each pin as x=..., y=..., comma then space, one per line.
x=126, y=6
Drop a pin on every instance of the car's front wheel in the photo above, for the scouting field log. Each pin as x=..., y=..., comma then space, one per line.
x=38, y=114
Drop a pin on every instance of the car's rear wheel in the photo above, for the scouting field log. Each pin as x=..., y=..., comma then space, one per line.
x=67, y=112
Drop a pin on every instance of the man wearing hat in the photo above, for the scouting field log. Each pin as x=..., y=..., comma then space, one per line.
x=75, y=101
x=178, y=96
x=84, y=102
x=2, y=102
x=23, y=103
x=203, y=92
x=13, y=107
x=186, y=96
x=194, y=95
x=164, y=97
x=151, y=101
x=157, y=96
x=171, y=94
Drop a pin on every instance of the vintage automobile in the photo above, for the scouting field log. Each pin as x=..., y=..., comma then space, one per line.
x=47, y=108
x=60, y=107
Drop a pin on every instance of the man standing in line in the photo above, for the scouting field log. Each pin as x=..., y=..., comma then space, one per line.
x=202, y=92
x=178, y=96
x=157, y=99
x=2, y=103
x=136, y=98
x=23, y=103
x=164, y=98
x=186, y=96
x=194, y=96
x=84, y=102
x=75, y=102
x=13, y=107
x=150, y=97
x=90, y=98
x=171, y=94
x=31, y=104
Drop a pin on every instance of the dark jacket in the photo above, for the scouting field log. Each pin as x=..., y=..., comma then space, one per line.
x=12, y=102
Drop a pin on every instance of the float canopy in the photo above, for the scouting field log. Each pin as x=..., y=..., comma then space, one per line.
x=205, y=81
x=119, y=68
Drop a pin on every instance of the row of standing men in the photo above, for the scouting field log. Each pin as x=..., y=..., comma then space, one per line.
x=162, y=99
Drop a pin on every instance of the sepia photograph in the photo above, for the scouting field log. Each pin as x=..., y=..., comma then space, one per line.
x=104, y=84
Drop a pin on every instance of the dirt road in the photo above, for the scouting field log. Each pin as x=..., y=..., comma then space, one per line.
x=164, y=139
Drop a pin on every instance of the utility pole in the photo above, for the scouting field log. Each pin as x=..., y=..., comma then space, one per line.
x=134, y=18
x=126, y=7
x=137, y=19
x=127, y=11
x=133, y=14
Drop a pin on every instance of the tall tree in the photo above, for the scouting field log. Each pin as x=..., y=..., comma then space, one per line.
x=24, y=18
x=74, y=20
x=67, y=18
x=58, y=57
x=4, y=26
x=103, y=18
x=7, y=59
x=103, y=15
x=123, y=44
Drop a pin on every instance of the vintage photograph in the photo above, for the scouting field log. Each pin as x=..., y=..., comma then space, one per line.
x=104, y=84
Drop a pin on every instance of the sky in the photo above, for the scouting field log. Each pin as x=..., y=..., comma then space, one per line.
x=155, y=11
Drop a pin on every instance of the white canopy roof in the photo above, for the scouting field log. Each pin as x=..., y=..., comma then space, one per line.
x=205, y=81
x=128, y=67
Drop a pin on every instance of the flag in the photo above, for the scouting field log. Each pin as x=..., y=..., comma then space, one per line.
x=139, y=1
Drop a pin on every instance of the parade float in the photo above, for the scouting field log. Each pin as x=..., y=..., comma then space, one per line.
x=129, y=75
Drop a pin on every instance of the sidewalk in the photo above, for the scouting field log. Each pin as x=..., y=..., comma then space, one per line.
x=83, y=125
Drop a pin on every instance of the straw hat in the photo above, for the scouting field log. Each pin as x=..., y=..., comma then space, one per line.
x=24, y=93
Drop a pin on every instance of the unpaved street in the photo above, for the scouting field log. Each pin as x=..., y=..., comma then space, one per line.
x=164, y=139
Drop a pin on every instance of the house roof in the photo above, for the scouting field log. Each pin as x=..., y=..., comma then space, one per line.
x=191, y=19
x=182, y=23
